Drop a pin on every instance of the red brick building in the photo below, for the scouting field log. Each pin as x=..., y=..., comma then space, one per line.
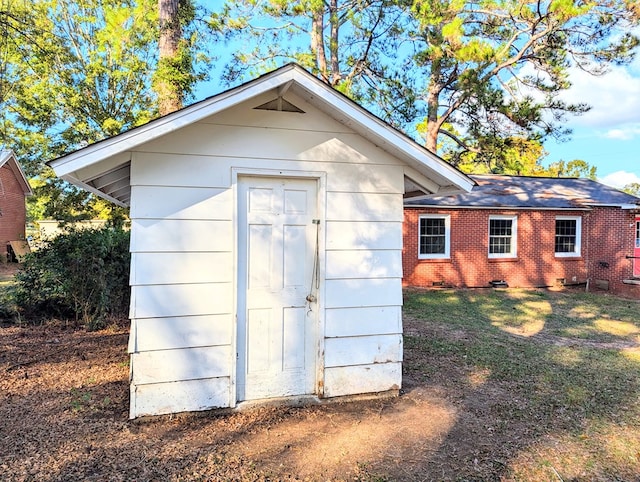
x=13, y=189
x=525, y=232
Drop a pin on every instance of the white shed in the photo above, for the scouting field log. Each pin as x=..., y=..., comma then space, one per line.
x=266, y=244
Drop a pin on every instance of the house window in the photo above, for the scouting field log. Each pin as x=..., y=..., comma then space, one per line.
x=502, y=236
x=433, y=237
x=568, y=235
x=637, y=234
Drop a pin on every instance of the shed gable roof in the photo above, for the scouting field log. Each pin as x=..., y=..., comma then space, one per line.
x=112, y=182
x=497, y=191
x=7, y=157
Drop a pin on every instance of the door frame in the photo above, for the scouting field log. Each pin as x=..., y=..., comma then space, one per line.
x=321, y=178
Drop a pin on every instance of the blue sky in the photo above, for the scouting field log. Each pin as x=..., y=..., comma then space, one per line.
x=608, y=136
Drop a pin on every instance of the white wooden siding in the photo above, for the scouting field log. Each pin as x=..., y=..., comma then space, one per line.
x=177, y=170
x=181, y=267
x=182, y=396
x=351, y=235
x=179, y=235
x=154, y=301
x=182, y=332
x=364, y=264
x=268, y=143
x=150, y=170
x=345, y=293
x=368, y=207
x=379, y=377
x=184, y=253
x=363, y=350
x=354, y=321
x=156, y=202
x=184, y=364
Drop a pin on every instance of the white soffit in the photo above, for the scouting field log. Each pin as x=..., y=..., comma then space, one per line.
x=436, y=175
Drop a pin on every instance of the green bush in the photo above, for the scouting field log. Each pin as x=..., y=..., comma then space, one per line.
x=82, y=274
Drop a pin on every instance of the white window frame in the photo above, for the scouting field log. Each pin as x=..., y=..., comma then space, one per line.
x=514, y=236
x=578, y=246
x=447, y=237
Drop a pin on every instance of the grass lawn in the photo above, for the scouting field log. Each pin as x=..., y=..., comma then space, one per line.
x=553, y=378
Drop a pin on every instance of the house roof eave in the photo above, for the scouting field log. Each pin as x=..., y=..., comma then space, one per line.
x=8, y=157
x=496, y=208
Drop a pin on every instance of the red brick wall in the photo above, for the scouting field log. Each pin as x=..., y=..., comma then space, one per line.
x=12, y=209
x=611, y=238
x=607, y=237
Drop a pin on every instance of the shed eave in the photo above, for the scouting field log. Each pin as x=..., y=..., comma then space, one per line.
x=294, y=77
x=164, y=125
x=77, y=182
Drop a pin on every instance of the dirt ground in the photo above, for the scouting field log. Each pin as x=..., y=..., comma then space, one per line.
x=64, y=417
x=63, y=412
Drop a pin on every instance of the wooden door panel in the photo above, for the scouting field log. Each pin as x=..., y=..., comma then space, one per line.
x=276, y=335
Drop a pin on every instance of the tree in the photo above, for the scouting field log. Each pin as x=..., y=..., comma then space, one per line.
x=494, y=69
x=575, y=168
x=517, y=156
x=174, y=78
x=76, y=72
x=351, y=45
x=632, y=188
x=485, y=74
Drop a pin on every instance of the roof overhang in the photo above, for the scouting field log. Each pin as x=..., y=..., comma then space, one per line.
x=621, y=206
x=102, y=167
x=497, y=208
x=7, y=157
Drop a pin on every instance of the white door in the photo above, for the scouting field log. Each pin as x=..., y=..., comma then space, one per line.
x=276, y=255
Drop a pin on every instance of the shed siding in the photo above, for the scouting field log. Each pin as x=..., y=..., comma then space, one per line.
x=362, y=379
x=183, y=332
x=184, y=250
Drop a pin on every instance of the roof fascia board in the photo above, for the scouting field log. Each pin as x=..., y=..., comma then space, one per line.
x=167, y=124
x=621, y=206
x=495, y=208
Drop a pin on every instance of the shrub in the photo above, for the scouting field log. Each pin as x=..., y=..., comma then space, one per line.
x=82, y=274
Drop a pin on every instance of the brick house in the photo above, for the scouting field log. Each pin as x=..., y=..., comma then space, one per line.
x=13, y=189
x=525, y=232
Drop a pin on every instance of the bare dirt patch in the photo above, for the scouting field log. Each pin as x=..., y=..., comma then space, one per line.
x=64, y=402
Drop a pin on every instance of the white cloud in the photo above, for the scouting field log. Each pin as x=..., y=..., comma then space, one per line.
x=625, y=133
x=614, y=98
x=619, y=179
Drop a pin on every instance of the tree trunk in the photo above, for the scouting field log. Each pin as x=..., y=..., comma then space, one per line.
x=169, y=95
x=334, y=21
x=433, y=104
x=317, y=42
